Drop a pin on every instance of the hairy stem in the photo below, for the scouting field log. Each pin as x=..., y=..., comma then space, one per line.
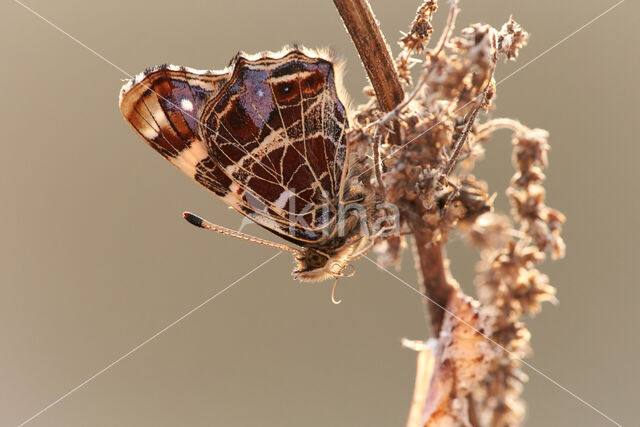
x=373, y=50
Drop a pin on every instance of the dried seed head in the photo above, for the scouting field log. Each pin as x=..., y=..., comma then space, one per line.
x=511, y=39
x=421, y=28
x=530, y=148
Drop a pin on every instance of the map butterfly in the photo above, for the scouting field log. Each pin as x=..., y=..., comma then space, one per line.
x=268, y=135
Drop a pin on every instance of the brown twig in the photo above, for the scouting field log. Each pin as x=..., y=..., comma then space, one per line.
x=424, y=369
x=373, y=50
x=435, y=280
x=448, y=29
x=376, y=162
x=464, y=135
x=487, y=128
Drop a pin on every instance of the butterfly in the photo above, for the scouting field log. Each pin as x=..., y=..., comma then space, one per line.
x=267, y=135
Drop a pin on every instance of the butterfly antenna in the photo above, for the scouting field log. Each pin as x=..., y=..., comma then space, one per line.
x=333, y=291
x=203, y=223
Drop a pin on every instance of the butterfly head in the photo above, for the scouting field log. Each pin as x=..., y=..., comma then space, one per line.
x=313, y=265
x=316, y=265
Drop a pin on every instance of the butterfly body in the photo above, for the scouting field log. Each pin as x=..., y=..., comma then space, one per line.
x=268, y=136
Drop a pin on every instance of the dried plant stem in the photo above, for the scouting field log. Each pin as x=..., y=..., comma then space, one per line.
x=376, y=162
x=376, y=58
x=473, y=416
x=463, y=136
x=493, y=125
x=374, y=52
x=448, y=29
x=424, y=369
x=435, y=280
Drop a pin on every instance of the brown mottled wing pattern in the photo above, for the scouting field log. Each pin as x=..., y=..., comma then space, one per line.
x=277, y=129
x=268, y=136
x=163, y=105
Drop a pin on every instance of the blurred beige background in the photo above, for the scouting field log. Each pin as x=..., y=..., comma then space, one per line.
x=95, y=257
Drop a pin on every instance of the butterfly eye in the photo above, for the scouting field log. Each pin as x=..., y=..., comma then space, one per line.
x=316, y=260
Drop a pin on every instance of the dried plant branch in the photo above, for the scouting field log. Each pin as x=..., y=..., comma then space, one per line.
x=435, y=279
x=365, y=32
x=453, y=160
x=424, y=368
x=376, y=162
x=374, y=51
x=448, y=28
x=470, y=373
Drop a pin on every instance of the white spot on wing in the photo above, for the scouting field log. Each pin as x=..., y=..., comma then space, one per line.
x=186, y=104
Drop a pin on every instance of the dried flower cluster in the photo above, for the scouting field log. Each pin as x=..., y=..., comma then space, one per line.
x=416, y=40
x=424, y=151
x=509, y=286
